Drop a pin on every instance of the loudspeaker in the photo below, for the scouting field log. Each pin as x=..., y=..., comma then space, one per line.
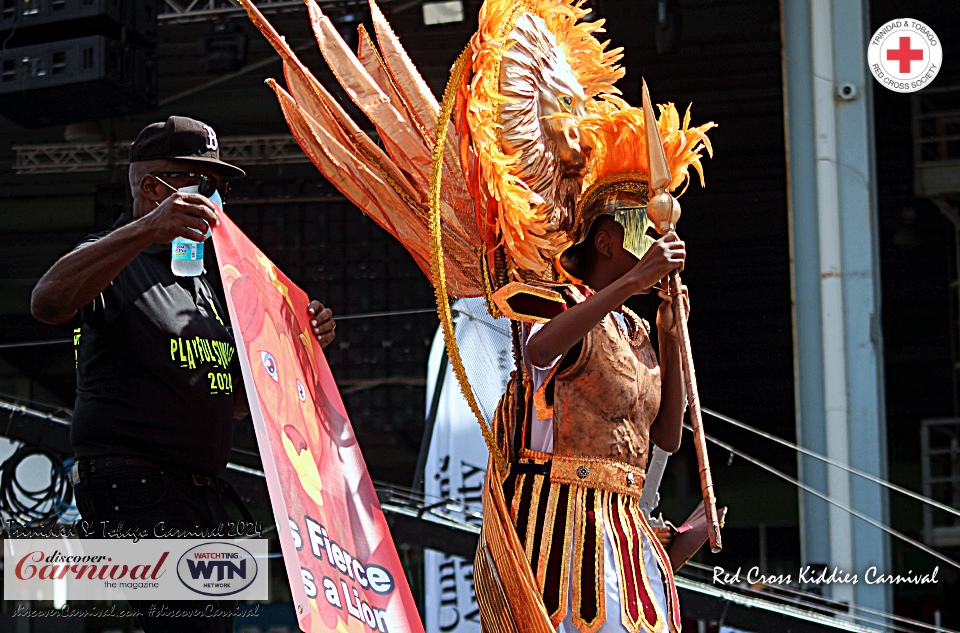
x=66, y=61
x=76, y=80
x=26, y=22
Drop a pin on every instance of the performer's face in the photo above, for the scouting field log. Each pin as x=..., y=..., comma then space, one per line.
x=624, y=257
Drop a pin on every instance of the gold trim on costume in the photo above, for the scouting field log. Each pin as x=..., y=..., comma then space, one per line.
x=437, y=263
x=661, y=617
x=525, y=420
x=579, y=550
x=622, y=509
x=547, y=545
x=492, y=600
x=517, y=496
x=601, y=474
x=638, y=323
x=534, y=511
x=507, y=568
x=492, y=307
x=673, y=601
x=538, y=457
x=633, y=181
x=544, y=410
x=515, y=288
x=546, y=538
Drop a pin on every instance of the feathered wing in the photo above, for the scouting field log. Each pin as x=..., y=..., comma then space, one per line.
x=389, y=186
x=407, y=80
x=379, y=85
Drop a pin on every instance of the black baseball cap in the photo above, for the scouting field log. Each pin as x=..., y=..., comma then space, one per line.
x=182, y=138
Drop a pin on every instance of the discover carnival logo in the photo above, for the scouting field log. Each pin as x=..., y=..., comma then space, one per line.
x=905, y=55
x=157, y=569
x=217, y=569
x=58, y=566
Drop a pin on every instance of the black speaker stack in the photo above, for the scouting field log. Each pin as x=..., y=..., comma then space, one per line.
x=69, y=61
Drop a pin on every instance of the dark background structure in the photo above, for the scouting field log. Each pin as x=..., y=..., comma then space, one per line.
x=725, y=57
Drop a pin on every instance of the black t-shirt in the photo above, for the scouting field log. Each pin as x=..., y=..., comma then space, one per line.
x=156, y=368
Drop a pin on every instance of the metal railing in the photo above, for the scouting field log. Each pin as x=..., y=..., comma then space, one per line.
x=178, y=11
x=936, y=142
x=940, y=455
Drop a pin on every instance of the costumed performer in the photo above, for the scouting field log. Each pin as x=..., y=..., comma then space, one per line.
x=596, y=396
x=484, y=190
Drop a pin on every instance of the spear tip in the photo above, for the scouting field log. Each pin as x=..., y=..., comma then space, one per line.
x=657, y=158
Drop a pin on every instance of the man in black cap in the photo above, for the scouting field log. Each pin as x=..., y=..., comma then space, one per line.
x=151, y=430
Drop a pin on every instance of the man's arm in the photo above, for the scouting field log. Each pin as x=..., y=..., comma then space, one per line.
x=79, y=276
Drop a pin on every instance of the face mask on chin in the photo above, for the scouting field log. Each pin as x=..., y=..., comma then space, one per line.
x=215, y=198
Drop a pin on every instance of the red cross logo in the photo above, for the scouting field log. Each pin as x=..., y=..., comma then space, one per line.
x=905, y=54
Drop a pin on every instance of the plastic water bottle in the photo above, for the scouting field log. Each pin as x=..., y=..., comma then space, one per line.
x=186, y=256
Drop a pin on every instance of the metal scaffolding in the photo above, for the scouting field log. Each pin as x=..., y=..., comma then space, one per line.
x=936, y=176
x=180, y=11
x=176, y=11
x=58, y=158
x=940, y=459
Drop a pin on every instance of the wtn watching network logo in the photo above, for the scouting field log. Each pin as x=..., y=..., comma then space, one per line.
x=217, y=569
x=113, y=569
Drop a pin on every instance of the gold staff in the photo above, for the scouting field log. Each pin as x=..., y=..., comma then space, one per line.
x=664, y=212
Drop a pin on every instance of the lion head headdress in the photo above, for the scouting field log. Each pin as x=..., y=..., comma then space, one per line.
x=511, y=161
x=536, y=69
x=482, y=187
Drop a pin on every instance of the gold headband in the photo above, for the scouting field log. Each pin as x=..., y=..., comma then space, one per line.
x=634, y=182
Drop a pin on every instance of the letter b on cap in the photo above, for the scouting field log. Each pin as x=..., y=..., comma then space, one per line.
x=212, y=143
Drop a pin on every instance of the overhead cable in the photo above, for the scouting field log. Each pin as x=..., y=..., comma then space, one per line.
x=56, y=341
x=813, y=491
x=913, y=495
x=344, y=317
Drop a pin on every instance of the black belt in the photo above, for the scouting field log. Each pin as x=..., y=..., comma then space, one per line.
x=531, y=468
x=87, y=466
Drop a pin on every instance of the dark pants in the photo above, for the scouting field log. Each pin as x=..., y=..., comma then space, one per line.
x=141, y=497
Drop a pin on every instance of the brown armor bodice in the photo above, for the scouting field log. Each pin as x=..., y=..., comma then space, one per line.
x=571, y=507
x=604, y=405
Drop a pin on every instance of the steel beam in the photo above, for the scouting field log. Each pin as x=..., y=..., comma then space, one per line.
x=58, y=158
x=835, y=286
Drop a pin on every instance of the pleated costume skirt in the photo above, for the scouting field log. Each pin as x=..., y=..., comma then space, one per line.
x=545, y=558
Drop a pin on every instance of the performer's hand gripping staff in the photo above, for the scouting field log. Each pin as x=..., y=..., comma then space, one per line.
x=663, y=210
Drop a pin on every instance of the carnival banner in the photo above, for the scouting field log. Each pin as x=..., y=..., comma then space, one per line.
x=341, y=562
x=457, y=459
